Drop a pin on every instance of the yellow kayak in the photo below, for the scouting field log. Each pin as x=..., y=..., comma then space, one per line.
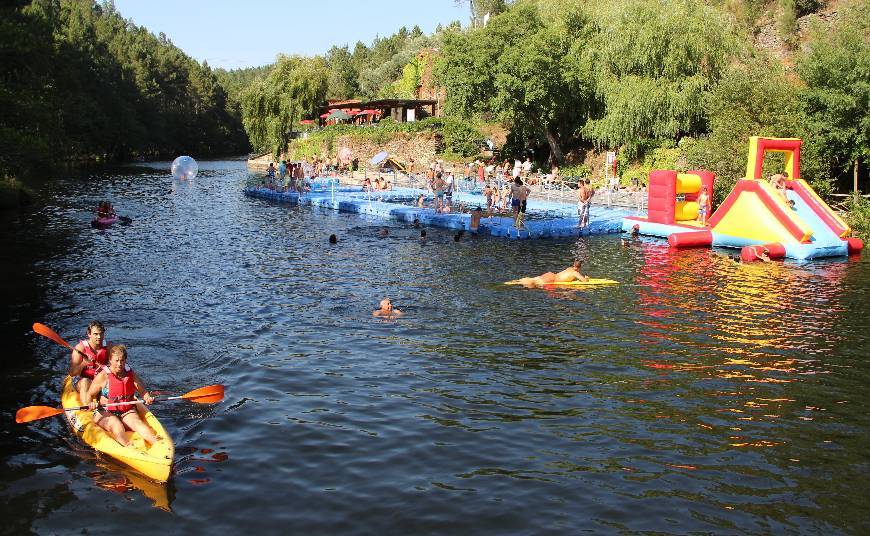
x=153, y=461
x=591, y=282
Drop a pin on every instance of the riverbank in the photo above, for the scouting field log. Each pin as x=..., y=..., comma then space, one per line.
x=13, y=194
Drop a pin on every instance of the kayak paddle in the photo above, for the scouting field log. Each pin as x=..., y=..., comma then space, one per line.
x=46, y=331
x=204, y=395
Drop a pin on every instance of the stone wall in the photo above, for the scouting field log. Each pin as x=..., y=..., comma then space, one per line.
x=422, y=147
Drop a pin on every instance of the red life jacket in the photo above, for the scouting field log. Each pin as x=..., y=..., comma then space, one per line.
x=98, y=360
x=120, y=390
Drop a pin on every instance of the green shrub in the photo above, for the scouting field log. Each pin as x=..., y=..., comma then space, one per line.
x=580, y=170
x=460, y=137
x=858, y=216
x=13, y=193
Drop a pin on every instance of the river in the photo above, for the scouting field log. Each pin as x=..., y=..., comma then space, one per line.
x=698, y=395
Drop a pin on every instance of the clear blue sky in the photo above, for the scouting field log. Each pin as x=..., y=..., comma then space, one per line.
x=233, y=34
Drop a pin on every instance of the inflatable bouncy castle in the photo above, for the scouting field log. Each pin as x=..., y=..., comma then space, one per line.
x=782, y=219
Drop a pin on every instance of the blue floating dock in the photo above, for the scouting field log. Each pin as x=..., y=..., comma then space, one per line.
x=544, y=219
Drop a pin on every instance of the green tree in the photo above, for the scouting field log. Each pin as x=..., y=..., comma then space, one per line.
x=837, y=97
x=538, y=92
x=27, y=96
x=518, y=70
x=467, y=70
x=377, y=79
x=271, y=106
x=343, y=77
x=753, y=98
x=480, y=8
x=654, y=61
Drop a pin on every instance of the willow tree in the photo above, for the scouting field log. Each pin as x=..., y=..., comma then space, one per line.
x=653, y=62
x=294, y=89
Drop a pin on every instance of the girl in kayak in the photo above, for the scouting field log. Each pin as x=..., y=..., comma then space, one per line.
x=118, y=383
x=105, y=210
x=88, y=357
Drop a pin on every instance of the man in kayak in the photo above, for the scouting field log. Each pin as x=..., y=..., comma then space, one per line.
x=118, y=383
x=88, y=358
x=572, y=273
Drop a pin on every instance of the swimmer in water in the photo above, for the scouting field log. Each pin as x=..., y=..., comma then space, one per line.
x=474, y=226
x=387, y=310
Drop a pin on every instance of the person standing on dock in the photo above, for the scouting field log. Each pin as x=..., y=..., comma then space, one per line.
x=282, y=174
x=524, y=193
x=584, y=199
x=519, y=195
x=439, y=185
x=299, y=173
x=270, y=176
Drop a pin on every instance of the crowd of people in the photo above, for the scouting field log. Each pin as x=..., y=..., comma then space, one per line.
x=378, y=185
x=505, y=185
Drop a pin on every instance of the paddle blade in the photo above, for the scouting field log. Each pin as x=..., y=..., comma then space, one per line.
x=208, y=399
x=34, y=413
x=46, y=331
x=206, y=395
x=125, y=220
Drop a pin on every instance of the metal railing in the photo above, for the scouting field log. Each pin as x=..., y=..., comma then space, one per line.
x=542, y=186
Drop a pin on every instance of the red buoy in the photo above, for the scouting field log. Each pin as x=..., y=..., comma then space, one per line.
x=691, y=239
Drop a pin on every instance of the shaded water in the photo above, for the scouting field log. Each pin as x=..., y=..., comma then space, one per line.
x=698, y=395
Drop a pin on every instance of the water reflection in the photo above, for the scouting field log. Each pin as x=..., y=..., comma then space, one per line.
x=117, y=479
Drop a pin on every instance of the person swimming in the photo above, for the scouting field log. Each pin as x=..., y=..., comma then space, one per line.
x=474, y=225
x=333, y=239
x=387, y=310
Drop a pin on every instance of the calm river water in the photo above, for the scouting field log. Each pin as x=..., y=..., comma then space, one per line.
x=699, y=395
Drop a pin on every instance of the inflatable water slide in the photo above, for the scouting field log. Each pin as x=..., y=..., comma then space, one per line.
x=757, y=217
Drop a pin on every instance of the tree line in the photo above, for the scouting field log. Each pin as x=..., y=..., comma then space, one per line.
x=677, y=83
x=679, y=77
x=79, y=82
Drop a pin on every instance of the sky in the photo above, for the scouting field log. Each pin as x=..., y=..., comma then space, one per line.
x=231, y=34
